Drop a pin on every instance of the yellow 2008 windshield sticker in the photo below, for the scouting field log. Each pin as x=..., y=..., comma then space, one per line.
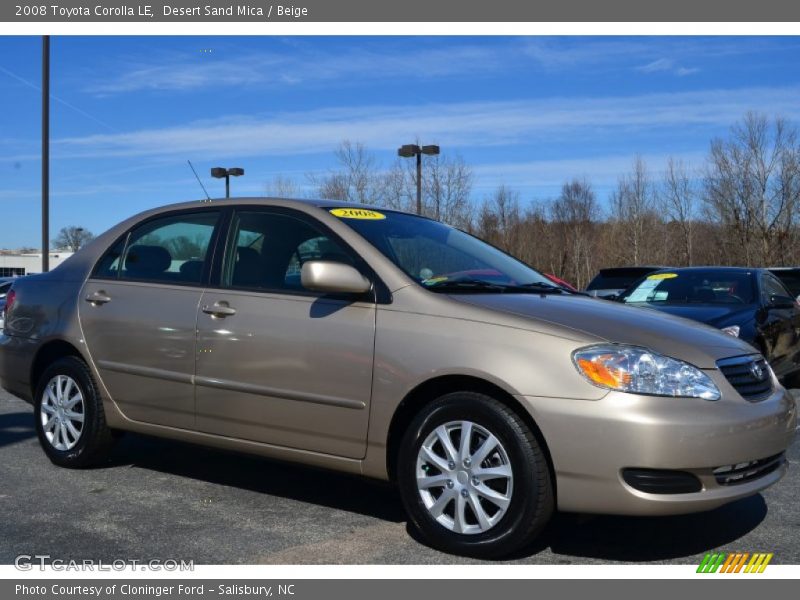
x=357, y=213
x=663, y=276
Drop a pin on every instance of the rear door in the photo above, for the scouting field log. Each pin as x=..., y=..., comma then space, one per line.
x=277, y=363
x=138, y=314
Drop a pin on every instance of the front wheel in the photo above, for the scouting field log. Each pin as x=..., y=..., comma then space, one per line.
x=70, y=421
x=473, y=477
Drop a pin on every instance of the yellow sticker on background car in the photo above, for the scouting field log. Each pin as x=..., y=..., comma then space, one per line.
x=357, y=213
x=663, y=276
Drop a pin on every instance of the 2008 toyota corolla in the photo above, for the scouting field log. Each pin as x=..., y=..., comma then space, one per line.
x=393, y=346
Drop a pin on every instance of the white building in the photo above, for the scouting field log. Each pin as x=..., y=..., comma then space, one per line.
x=12, y=265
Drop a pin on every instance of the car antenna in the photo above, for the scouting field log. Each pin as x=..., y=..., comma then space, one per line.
x=198, y=179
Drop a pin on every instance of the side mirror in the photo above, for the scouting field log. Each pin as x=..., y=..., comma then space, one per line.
x=781, y=302
x=333, y=278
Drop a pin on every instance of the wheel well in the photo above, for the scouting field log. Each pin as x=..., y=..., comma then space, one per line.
x=435, y=388
x=47, y=355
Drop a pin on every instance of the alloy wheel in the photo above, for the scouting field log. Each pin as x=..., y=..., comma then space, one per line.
x=464, y=477
x=62, y=412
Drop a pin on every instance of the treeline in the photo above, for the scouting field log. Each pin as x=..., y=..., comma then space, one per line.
x=741, y=207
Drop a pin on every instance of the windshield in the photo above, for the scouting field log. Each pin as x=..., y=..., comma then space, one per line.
x=616, y=279
x=438, y=256
x=693, y=287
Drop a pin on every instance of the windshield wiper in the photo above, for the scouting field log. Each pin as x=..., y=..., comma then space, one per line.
x=478, y=285
x=544, y=287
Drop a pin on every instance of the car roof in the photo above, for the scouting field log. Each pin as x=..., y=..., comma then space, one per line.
x=714, y=268
x=631, y=269
x=270, y=201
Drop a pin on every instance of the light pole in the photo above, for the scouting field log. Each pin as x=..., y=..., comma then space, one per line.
x=409, y=150
x=45, y=153
x=222, y=172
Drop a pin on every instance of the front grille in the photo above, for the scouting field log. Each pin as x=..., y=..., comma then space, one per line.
x=747, y=471
x=749, y=375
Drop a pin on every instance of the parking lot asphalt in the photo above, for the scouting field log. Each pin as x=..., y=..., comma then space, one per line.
x=159, y=499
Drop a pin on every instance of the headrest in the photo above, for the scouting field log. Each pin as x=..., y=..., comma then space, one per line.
x=147, y=260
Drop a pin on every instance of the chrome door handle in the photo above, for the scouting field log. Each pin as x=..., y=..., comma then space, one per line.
x=220, y=310
x=98, y=298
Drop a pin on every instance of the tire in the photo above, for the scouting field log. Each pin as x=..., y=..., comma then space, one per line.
x=527, y=494
x=95, y=439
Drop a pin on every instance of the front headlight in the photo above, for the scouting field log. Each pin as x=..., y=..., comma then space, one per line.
x=640, y=371
x=731, y=330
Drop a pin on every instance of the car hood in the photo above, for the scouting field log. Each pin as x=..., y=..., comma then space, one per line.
x=673, y=336
x=709, y=314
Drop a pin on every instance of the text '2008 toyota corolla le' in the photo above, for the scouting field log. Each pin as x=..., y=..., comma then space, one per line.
x=390, y=345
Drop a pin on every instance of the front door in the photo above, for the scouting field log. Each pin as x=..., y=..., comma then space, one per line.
x=276, y=363
x=780, y=327
x=138, y=313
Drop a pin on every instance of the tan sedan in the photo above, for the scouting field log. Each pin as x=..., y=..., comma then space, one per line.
x=393, y=346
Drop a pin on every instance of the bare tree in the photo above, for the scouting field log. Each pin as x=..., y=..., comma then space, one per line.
x=678, y=195
x=282, y=186
x=447, y=185
x=499, y=219
x=572, y=213
x=72, y=238
x=742, y=207
x=397, y=189
x=356, y=179
x=752, y=187
x=632, y=203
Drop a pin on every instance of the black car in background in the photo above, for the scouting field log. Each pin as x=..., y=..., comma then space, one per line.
x=751, y=304
x=5, y=286
x=615, y=280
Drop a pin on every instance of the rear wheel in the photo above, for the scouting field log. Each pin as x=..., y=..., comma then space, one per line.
x=473, y=477
x=70, y=421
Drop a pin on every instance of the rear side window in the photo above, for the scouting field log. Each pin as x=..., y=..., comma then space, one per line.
x=172, y=249
x=108, y=266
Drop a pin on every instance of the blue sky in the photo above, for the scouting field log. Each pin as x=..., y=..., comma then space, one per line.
x=530, y=112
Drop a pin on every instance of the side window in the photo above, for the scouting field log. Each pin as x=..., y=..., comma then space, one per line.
x=172, y=249
x=266, y=251
x=773, y=287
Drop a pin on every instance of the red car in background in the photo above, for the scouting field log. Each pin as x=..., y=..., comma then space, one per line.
x=561, y=282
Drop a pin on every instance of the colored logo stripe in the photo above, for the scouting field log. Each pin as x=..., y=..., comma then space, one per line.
x=735, y=563
x=711, y=563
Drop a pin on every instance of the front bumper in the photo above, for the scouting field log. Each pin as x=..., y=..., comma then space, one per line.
x=591, y=442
